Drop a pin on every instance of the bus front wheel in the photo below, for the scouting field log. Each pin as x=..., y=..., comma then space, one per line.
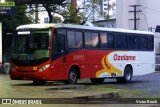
x=97, y=80
x=127, y=75
x=72, y=77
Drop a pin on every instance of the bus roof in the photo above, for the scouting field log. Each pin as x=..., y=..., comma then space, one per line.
x=60, y=25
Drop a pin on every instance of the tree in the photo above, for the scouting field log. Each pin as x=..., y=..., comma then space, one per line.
x=9, y=24
x=91, y=8
x=79, y=15
x=50, y=8
x=71, y=15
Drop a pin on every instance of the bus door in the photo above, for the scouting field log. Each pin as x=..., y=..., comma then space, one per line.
x=58, y=64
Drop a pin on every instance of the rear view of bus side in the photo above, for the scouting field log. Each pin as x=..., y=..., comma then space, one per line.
x=64, y=52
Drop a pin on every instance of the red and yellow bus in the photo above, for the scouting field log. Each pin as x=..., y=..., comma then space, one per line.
x=65, y=52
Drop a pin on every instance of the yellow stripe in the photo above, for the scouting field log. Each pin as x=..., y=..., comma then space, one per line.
x=109, y=68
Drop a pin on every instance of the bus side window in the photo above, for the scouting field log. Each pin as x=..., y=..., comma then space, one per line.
x=71, y=39
x=79, y=40
x=103, y=39
x=131, y=42
x=143, y=43
x=107, y=41
x=110, y=41
x=95, y=40
x=118, y=42
x=124, y=41
x=88, y=39
x=75, y=39
x=137, y=42
x=150, y=42
x=61, y=43
x=91, y=40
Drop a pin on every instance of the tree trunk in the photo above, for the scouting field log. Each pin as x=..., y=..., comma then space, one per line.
x=47, y=7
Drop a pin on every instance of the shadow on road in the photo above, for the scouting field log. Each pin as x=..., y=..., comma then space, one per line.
x=55, y=83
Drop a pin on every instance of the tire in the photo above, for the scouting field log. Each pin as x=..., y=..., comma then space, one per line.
x=127, y=75
x=72, y=77
x=35, y=82
x=97, y=80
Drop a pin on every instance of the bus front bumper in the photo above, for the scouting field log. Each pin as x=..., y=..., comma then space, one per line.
x=36, y=75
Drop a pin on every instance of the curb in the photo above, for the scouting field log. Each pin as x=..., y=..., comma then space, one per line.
x=68, y=87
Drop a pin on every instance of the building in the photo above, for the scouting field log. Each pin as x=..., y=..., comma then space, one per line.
x=110, y=23
x=147, y=15
x=107, y=7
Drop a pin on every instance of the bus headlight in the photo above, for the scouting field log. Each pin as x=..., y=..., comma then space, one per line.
x=44, y=67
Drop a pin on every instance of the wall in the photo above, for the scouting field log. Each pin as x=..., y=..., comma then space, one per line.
x=149, y=17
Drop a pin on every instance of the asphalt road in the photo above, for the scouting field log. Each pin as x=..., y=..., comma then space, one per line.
x=148, y=86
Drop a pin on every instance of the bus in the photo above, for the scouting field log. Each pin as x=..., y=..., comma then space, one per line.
x=66, y=52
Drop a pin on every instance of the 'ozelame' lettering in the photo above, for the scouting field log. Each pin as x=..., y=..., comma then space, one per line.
x=124, y=58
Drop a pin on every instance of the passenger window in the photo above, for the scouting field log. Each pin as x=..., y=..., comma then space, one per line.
x=143, y=42
x=103, y=38
x=95, y=40
x=120, y=41
x=59, y=43
x=131, y=42
x=110, y=41
x=88, y=40
x=123, y=41
x=137, y=42
x=107, y=41
x=79, y=40
x=75, y=39
x=71, y=39
x=151, y=43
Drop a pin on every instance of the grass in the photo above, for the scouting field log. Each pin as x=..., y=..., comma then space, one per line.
x=124, y=93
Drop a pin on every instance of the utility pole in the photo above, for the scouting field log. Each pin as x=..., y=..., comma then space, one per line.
x=135, y=15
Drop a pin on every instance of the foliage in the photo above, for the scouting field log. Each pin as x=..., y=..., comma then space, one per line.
x=80, y=14
x=71, y=15
x=10, y=22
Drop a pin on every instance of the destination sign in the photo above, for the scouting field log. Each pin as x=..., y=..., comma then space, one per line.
x=7, y=8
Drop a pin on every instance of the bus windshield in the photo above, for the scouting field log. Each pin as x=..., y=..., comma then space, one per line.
x=31, y=45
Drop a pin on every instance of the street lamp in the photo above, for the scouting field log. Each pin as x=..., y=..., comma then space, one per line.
x=2, y=1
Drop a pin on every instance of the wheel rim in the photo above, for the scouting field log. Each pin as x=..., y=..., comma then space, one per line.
x=128, y=75
x=72, y=77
